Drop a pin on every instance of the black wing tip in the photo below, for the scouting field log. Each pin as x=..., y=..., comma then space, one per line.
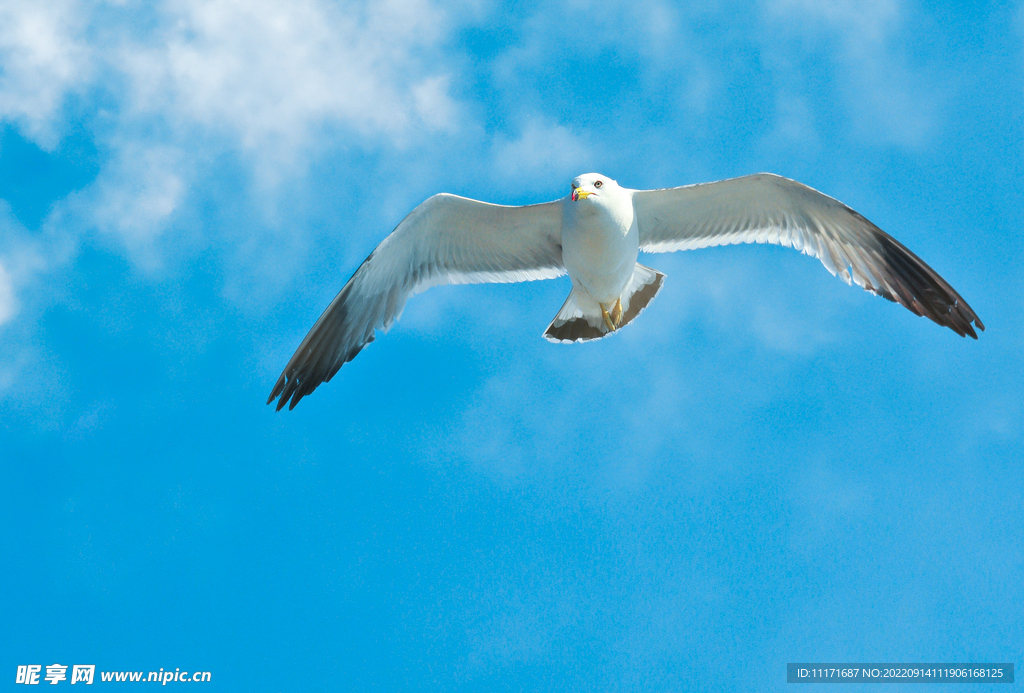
x=287, y=391
x=281, y=399
x=278, y=388
x=289, y=394
x=959, y=321
x=966, y=316
x=970, y=330
x=912, y=283
x=290, y=389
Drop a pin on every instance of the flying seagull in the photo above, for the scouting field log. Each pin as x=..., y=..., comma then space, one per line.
x=594, y=235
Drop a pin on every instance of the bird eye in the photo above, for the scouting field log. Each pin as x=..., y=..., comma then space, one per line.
x=597, y=184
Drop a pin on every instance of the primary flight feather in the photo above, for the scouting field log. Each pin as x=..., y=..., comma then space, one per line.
x=594, y=235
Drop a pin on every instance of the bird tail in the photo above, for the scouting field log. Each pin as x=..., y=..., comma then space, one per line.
x=582, y=323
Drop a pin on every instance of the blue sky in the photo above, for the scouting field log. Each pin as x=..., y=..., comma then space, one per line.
x=768, y=466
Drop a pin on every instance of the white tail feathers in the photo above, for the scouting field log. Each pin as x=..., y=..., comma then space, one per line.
x=574, y=324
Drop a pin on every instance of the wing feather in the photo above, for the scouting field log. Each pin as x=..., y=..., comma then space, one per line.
x=765, y=208
x=446, y=240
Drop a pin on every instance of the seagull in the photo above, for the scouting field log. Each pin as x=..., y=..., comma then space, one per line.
x=595, y=234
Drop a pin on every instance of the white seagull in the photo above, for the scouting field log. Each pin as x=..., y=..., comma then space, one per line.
x=594, y=235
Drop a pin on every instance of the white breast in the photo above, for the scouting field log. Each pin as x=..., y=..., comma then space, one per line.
x=600, y=244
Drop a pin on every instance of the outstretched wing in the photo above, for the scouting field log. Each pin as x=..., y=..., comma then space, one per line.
x=446, y=240
x=765, y=208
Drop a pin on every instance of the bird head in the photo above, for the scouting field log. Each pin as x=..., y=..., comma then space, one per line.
x=591, y=185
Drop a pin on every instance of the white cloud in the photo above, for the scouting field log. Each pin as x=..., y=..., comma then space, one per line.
x=25, y=369
x=544, y=156
x=869, y=21
x=270, y=75
x=890, y=100
x=43, y=57
x=795, y=125
x=21, y=259
x=177, y=88
x=652, y=42
x=134, y=199
x=8, y=302
x=433, y=104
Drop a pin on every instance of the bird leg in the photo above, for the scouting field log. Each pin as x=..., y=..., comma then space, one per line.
x=607, y=318
x=612, y=319
x=617, y=312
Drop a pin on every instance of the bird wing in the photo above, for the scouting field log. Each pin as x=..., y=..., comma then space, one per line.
x=765, y=208
x=446, y=240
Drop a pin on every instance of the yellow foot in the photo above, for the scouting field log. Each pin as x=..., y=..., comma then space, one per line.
x=607, y=318
x=617, y=312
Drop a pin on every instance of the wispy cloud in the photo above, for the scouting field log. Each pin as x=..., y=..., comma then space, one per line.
x=22, y=256
x=172, y=91
x=44, y=57
x=544, y=156
x=891, y=99
x=271, y=76
x=134, y=198
x=8, y=302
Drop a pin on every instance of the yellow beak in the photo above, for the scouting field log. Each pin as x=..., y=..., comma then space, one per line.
x=580, y=194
